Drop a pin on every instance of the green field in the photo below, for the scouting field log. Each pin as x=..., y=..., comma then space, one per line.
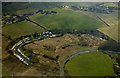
x=109, y=4
x=90, y=64
x=66, y=19
x=30, y=7
x=112, y=20
x=21, y=29
x=25, y=7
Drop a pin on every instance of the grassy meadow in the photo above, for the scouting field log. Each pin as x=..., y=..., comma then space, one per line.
x=66, y=19
x=21, y=29
x=90, y=64
x=112, y=20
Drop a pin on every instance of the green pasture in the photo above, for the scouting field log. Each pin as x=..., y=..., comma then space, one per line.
x=21, y=29
x=66, y=19
x=90, y=64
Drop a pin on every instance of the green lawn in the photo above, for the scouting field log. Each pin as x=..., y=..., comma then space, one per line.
x=21, y=29
x=90, y=64
x=66, y=19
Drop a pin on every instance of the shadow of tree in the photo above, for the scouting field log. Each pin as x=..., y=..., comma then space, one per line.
x=110, y=45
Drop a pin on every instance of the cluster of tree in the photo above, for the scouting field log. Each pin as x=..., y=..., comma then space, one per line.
x=93, y=32
x=27, y=52
x=11, y=19
x=110, y=45
x=116, y=67
x=14, y=41
x=46, y=12
x=63, y=47
x=116, y=70
x=8, y=7
x=34, y=59
x=97, y=9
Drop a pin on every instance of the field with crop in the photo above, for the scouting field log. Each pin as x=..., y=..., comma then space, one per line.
x=21, y=29
x=112, y=20
x=66, y=19
x=90, y=64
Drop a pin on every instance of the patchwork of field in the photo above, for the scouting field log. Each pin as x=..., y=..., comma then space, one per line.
x=50, y=53
x=90, y=64
x=27, y=8
x=111, y=19
x=66, y=19
x=21, y=29
x=21, y=8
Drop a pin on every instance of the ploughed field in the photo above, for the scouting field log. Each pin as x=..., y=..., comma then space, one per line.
x=90, y=64
x=65, y=19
